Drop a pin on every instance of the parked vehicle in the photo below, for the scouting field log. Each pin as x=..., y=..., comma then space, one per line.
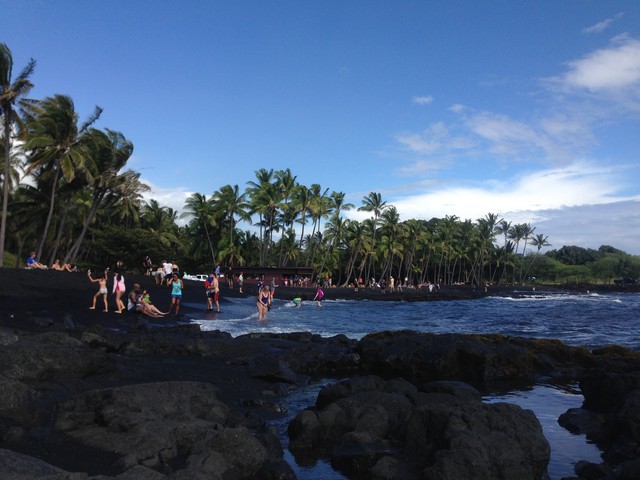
x=200, y=277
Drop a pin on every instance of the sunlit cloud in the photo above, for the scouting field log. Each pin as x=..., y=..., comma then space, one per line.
x=525, y=196
x=613, y=68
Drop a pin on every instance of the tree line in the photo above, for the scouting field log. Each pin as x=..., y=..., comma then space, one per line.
x=68, y=194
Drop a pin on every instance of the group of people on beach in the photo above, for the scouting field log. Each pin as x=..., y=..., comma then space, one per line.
x=267, y=292
x=32, y=263
x=138, y=299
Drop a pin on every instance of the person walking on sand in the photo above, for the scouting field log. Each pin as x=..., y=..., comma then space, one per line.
x=263, y=303
x=118, y=290
x=102, y=290
x=176, y=284
x=319, y=296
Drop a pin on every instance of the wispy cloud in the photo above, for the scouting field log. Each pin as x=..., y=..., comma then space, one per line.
x=423, y=100
x=603, y=25
x=556, y=134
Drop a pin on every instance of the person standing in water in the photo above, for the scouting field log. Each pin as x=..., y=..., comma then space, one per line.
x=207, y=289
x=319, y=295
x=263, y=303
x=215, y=291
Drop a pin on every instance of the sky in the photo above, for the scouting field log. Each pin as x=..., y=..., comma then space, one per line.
x=526, y=109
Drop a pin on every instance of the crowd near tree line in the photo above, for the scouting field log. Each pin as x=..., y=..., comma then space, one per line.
x=69, y=196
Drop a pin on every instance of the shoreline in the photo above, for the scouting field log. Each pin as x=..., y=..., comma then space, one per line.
x=35, y=299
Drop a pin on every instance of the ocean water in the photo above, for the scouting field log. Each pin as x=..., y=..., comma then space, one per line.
x=588, y=320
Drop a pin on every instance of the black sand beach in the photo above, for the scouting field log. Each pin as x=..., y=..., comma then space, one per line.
x=106, y=396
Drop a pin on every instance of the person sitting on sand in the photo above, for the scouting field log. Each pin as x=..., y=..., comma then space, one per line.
x=66, y=267
x=146, y=298
x=136, y=304
x=102, y=290
x=32, y=263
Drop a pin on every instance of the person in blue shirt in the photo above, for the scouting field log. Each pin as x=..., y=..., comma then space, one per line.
x=33, y=263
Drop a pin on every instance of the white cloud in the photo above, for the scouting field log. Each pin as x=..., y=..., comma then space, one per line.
x=614, y=68
x=591, y=226
x=424, y=100
x=602, y=26
x=168, y=197
x=519, y=198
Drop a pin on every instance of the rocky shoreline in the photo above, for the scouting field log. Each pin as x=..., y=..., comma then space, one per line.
x=88, y=395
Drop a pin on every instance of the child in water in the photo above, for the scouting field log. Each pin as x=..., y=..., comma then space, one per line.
x=319, y=295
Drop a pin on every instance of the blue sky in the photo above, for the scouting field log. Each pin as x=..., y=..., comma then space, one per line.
x=527, y=109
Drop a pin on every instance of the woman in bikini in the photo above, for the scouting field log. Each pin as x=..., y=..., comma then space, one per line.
x=102, y=290
x=264, y=302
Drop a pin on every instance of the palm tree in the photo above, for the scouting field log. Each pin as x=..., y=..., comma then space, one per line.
x=231, y=203
x=521, y=231
x=373, y=203
x=486, y=232
x=28, y=206
x=125, y=207
x=286, y=183
x=10, y=94
x=539, y=241
x=55, y=142
x=301, y=199
x=391, y=229
x=161, y=221
x=110, y=152
x=318, y=209
x=336, y=205
x=202, y=211
x=262, y=199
